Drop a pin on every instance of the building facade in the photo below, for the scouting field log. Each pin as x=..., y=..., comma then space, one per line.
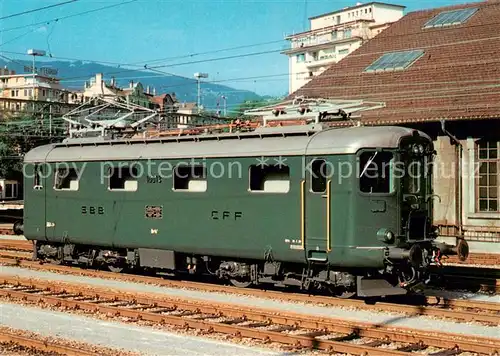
x=28, y=93
x=433, y=80
x=335, y=35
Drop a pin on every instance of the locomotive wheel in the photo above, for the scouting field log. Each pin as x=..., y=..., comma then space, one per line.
x=55, y=261
x=340, y=293
x=115, y=269
x=345, y=295
x=240, y=284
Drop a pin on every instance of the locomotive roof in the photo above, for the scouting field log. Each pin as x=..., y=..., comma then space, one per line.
x=253, y=144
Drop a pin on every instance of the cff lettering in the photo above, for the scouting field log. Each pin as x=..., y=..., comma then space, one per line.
x=92, y=210
x=226, y=215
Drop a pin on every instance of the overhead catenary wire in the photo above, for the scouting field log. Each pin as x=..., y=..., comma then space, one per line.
x=69, y=16
x=37, y=9
x=245, y=55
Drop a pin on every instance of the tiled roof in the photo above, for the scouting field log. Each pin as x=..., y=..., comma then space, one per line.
x=458, y=76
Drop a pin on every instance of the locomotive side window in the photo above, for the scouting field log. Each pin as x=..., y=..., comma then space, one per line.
x=66, y=179
x=190, y=179
x=37, y=177
x=318, y=176
x=123, y=178
x=269, y=179
x=376, y=170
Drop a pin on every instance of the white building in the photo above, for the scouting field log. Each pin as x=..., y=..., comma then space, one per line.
x=335, y=35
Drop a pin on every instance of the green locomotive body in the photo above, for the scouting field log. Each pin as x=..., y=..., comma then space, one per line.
x=331, y=208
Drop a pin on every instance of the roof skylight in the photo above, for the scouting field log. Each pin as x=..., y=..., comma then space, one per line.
x=395, y=61
x=450, y=18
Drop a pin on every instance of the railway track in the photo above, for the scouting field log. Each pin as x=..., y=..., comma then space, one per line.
x=452, y=277
x=295, y=330
x=32, y=343
x=7, y=229
x=476, y=259
x=455, y=309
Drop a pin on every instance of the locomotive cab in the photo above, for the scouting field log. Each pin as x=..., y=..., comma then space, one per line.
x=412, y=246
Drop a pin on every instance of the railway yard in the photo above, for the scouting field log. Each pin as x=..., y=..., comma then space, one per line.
x=68, y=311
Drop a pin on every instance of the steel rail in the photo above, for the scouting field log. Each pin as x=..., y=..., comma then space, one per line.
x=7, y=336
x=481, y=259
x=479, y=311
x=21, y=245
x=6, y=231
x=194, y=314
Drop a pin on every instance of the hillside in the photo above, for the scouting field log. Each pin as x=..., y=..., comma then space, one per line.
x=74, y=74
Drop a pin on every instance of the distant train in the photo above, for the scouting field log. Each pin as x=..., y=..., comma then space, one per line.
x=11, y=209
x=345, y=210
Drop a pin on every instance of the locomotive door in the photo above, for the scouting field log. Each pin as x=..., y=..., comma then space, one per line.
x=35, y=193
x=317, y=199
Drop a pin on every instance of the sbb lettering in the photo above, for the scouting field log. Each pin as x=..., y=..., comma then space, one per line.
x=226, y=215
x=92, y=210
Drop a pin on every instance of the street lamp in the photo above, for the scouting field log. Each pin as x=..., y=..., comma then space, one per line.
x=35, y=53
x=199, y=76
x=225, y=105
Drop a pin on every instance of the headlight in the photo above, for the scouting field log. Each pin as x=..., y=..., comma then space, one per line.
x=385, y=235
x=418, y=149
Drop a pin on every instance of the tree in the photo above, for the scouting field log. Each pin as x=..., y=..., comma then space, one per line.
x=18, y=135
x=252, y=104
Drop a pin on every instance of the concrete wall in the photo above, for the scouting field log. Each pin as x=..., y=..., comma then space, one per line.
x=385, y=13
x=299, y=73
x=445, y=182
x=458, y=215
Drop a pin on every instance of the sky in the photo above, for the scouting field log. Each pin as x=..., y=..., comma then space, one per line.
x=173, y=33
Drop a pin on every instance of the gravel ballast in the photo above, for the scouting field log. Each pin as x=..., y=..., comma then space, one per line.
x=144, y=340
x=382, y=318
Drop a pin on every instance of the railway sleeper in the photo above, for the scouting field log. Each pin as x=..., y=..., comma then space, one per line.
x=274, y=335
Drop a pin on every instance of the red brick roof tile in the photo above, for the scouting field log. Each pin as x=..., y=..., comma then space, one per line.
x=458, y=77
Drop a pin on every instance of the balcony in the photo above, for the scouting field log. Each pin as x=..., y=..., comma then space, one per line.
x=321, y=61
x=297, y=44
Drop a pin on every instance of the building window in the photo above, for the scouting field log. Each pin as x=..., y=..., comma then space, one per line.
x=376, y=172
x=123, y=179
x=347, y=33
x=269, y=179
x=450, y=18
x=301, y=58
x=488, y=186
x=66, y=179
x=190, y=179
x=395, y=61
x=343, y=51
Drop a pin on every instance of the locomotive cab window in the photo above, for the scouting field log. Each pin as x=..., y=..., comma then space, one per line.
x=66, y=179
x=269, y=179
x=190, y=179
x=123, y=179
x=376, y=172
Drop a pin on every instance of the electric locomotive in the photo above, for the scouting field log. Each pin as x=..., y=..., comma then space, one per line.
x=347, y=210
